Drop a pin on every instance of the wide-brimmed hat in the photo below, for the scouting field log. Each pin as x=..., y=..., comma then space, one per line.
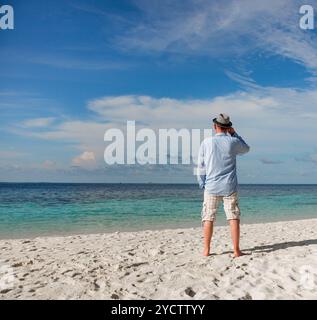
x=223, y=121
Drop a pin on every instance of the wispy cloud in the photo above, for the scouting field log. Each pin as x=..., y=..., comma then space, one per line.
x=38, y=122
x=245, y=81
x=220, y=29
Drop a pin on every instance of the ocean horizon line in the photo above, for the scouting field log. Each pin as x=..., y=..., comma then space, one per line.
x=152, y=183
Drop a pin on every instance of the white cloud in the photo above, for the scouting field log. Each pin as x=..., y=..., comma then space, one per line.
x=278, y=123
x=261, y=108
x=86, y=160
x=269, y=117
x=38, y=122
x=174, y=113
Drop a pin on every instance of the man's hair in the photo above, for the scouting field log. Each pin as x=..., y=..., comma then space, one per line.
x=221, y=128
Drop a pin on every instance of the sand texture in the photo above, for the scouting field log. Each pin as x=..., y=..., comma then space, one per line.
x=281, y=263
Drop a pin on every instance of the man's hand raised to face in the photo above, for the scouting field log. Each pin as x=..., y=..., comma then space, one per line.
x=231, y=131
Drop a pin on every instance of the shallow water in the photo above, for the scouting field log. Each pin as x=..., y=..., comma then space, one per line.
x=34, y=209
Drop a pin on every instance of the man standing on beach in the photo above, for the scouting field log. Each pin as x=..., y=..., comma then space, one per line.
x=218, y=177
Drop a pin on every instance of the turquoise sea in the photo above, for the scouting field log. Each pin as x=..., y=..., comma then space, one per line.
x=35, y=209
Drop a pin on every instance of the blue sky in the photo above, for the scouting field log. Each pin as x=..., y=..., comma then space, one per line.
x=67, y=66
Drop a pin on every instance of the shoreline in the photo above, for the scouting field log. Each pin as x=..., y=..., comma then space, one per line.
x=171, y=228
x=281, y=263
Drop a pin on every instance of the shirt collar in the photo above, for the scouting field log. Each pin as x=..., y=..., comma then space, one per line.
x=221, y=134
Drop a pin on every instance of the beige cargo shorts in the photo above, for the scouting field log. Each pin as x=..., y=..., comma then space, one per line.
x=211, y=204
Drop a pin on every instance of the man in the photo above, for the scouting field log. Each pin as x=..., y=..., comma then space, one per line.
x=217, y=176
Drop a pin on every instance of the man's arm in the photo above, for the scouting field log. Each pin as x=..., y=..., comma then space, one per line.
x=201, y=169
x=241, y=146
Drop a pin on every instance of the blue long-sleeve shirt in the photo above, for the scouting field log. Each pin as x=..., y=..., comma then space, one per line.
x=217, y=172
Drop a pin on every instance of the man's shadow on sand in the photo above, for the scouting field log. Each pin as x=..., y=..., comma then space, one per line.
x=278, y=246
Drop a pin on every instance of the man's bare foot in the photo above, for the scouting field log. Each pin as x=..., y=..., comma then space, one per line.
x=206, y=253
x=238, y=253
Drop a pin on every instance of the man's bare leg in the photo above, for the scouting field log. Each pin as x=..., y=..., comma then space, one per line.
x=208, y=229
x=235, y=235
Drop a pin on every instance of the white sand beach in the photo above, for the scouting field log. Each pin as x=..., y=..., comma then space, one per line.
x=281, y=263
